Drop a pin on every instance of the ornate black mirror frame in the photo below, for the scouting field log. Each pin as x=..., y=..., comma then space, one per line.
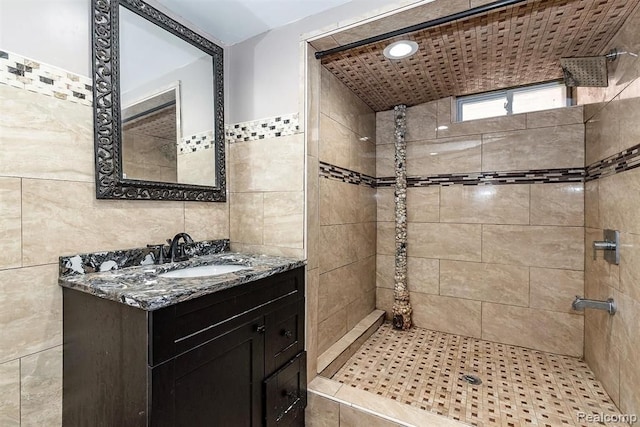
x=106, y=107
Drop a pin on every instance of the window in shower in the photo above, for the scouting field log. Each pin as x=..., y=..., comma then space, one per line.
x=516, y=100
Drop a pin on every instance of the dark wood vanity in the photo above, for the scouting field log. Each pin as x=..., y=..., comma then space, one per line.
x=230, y=358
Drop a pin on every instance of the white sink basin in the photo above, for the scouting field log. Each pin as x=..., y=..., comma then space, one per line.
x=203, y=271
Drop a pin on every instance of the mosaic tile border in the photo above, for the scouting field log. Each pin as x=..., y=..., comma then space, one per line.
x=620, y=162
x=539, y=176
x=196, y=142
x=337, y=173
x=24, y=73
x=114, y=260
x=272, y=127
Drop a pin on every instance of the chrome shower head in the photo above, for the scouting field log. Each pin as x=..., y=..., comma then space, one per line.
x=589, y=71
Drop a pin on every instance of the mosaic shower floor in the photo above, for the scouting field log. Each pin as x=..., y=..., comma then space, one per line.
x=520, y=387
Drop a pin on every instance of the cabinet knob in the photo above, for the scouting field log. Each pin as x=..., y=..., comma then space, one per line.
x=286, y=333
x=260, y=329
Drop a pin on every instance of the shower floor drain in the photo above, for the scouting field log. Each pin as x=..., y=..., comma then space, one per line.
x=471, y=379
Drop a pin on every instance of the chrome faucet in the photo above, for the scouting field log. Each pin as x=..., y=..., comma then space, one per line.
x=581, y=303
x=177, y=250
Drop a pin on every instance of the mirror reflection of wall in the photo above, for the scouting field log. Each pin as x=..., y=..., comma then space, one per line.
x=151, y=61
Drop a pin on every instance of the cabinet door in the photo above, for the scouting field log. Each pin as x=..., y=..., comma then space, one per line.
x=219, y=382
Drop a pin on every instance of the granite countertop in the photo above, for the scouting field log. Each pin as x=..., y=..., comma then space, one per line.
x=142, y=287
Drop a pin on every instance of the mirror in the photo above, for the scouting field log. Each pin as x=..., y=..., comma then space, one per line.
x=158, y=104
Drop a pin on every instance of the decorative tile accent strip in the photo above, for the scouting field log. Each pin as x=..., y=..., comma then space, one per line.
x=620, y=162
x=538, y=176
x=401, y=306
x=345, y=175
x=272, y=127
x=24, y=73
x=115, y=260
x=197, y=142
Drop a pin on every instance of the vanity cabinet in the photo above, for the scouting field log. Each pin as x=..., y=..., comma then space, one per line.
x=231, y=358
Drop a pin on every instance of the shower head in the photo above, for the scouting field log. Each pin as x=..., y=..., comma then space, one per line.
x=589, y=71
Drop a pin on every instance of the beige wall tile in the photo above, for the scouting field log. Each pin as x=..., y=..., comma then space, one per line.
x=385, y=270
x=538, y=329
x=591, y=205
x=335, y=249
x=354, y=417
x=555, y=117
x=602, y=133
x=362, y=238
x=41, y=388
x=385, y=163
x=275, y=164
x=44, y=137
x=368, y=204
x=386, y=238
x=344, y=204
x=445, y=106
x=535, y=246
x=444, y=241
x=598, y=271
x=335, y=142
x=247, y=218
x=206, y=220
x=386, y=204
x=324, y=208
x=629, y=380
x=629, y=341
x=603, y=360
x=10, y=223
x=359, y=308
x=284, y=219
x=482, y=126
x=10, y=394
x=313, y=214
x=311, y=319
x=322, y=412
x=555, y=290
x=619, y=199
x=362, y=156
x=422, y=275
x=268, y=250
x=31, y=315
x=312, y=130
x=80, y=223
x=384, y=301
x=488, y=204
x=544, y=148
x=331, y=329
x=422, y=122
x=446, y=155
x=557, y=204
x=630, y=265
x=423, y=204
x=453, y=315
x=506, y=284
x=385, y=127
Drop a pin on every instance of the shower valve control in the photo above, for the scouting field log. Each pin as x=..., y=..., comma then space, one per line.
x=610, y=246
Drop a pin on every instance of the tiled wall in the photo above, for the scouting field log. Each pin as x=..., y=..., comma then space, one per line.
x=613, y=202
x=346, y=211
x=498, y=262
x=47, y=209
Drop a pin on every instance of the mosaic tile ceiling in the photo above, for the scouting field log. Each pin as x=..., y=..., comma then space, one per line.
x=512, y=46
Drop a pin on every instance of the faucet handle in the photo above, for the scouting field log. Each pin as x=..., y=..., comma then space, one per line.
x=160, y=247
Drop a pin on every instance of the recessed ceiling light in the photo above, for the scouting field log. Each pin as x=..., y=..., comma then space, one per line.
x=400, y=49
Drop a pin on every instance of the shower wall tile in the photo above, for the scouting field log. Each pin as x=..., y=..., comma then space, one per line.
x=41, y=390
x=602, y=357
x=542, y=330
x=331, y=330
x=441, y=313
x=322, y=412
x=445, y=115
x=311, y=319
x=384, y=301
x=422, y=122
x=543, y=148
x=32, y=311
x=555, y=117
x=445, y=241
x=10, y=223
x=630, y=265
x=385, y=269
x=501, y=283
x=385, y=127
x=423, y=204
x=483, y=126
x=489, y=204
x=535, y=246
x=446, y=155
x=385, y=154
x=592, y=204
x=386, y=238
x=360, y=307
x=385, y=204
x=10, y=393
x=423, y=275
x=554, y=289
x=335, y=247
x=336, y=140
x=557, y=204
x=619, y=204
x=313, y=213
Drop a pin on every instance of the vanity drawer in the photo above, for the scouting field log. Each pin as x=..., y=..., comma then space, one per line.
x=284, y=338
x=183, y=326
x=286, y=394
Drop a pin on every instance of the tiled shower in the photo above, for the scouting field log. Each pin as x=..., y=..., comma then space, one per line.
x=502, y=213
